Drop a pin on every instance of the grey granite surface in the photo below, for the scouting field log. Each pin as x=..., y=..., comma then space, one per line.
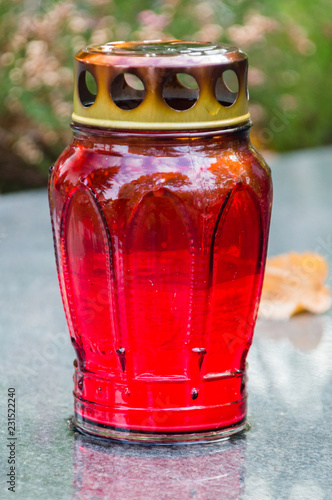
x=286, y=453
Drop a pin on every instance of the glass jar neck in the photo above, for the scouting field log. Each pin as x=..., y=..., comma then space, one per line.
x=227, y=134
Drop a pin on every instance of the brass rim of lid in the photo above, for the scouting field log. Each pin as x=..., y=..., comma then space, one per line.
x=144, y=86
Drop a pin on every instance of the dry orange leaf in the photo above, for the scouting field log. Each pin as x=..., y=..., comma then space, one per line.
x=294, y=283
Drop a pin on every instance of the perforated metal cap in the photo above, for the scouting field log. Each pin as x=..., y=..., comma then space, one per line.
x=161, y=85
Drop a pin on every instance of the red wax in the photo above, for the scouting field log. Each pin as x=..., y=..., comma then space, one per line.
x=161, y=243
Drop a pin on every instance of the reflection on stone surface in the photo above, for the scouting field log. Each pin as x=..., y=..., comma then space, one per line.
x=129, y=472
x=293, y=361
x=290, y=404
x=304, y=330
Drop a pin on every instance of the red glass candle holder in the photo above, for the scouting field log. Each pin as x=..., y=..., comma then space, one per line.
x=160, y=222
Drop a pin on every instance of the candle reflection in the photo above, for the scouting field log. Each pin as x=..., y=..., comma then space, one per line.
x=121, y=471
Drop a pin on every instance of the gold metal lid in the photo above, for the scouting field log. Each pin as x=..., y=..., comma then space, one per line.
x=161, y=85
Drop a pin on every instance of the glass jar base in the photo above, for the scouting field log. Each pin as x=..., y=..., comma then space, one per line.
x=85, y=426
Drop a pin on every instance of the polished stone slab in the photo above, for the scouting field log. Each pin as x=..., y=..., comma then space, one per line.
x=286, y=453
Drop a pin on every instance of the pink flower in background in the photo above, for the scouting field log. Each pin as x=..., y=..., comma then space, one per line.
x=256, y=77
x=253, y=30
x=157, y=22
x=300, y=40
x=152, y=25
x=209, y=33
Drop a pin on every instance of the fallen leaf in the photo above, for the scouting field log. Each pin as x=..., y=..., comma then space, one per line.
x=294, y=283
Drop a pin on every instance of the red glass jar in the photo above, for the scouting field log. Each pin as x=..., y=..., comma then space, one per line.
x=160, y=229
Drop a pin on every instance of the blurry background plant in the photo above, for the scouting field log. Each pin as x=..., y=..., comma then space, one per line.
x=288, y=43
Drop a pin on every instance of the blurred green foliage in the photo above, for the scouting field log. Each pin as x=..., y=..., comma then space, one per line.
x=288, y=43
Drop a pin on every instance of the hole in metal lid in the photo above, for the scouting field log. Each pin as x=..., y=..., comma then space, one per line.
x=127, y=91
x=87, y=88
x=180, y=91
x=227, y=88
